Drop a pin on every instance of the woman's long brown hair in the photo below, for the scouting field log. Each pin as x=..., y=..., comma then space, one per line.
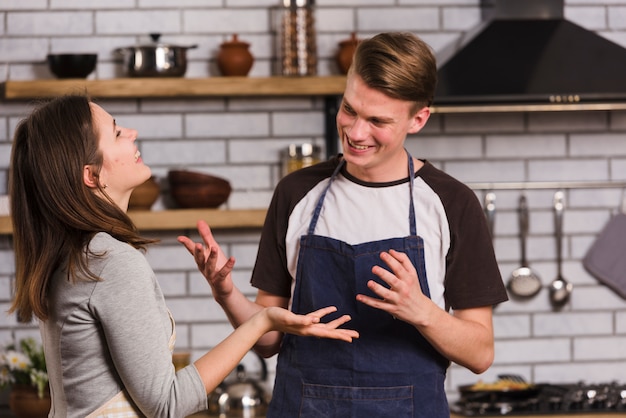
x=54, y=214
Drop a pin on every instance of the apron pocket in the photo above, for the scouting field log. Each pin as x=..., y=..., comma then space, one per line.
x=345, y=401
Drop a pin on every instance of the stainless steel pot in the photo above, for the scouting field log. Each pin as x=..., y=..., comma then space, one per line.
x=243, y=397
x=156, y=59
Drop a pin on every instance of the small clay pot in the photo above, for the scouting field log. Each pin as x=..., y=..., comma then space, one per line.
x=346, y=53
x=234, y=58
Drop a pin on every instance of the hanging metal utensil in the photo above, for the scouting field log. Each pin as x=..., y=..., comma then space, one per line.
x=560, y=289
x=490, y=211
x=524, y=282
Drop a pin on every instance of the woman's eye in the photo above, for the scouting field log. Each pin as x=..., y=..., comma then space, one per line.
x=118, y=133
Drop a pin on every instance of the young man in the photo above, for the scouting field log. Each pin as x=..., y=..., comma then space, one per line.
x=386, y=238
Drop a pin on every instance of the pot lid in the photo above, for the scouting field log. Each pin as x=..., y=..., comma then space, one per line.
x=156, y=43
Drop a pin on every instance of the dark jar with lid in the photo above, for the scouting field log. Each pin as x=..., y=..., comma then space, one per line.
x=235, y=58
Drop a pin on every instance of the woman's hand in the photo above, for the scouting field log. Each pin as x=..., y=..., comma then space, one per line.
x=211, y=261
x=310, y=325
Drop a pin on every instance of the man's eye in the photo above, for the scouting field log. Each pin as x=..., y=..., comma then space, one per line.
x=348, y=109
x=118, y=133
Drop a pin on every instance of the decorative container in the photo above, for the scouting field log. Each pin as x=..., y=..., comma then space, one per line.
x=25, y=403
x=346, y=53
x=144, y=196
x=296, y=44
x=297, y=156
x=234, y=58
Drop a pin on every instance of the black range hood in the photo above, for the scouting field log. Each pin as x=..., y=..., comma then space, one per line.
x=526, y=53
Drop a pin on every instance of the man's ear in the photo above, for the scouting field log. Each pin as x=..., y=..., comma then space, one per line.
x=419, y=119
x=89, y=177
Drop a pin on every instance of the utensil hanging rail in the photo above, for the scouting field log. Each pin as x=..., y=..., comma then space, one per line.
x=536, y=185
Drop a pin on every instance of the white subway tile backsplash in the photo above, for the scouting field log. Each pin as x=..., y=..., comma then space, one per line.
x=24, y=4
x=92, y=4
x=568, y=170
x=590, y=372
x=138, y=22
x=620, y=322
x=334, y=20
x=617, y=17
x=50, y=23
x=484, y=123
x=592, y=17
x=511, y=326
x=525, y=146
x=227, y=125
x=461, y=18
x=173, y=284
x=446, y=147
x=564, y=324
x=196, y=309
x=400, y=18
x=598, y=144
x=599, y=348
x=294, y=124
x=618, y=169
x=153, y=126
x=182, y=153
x=567, y=121
x=240, y=139
x=239, y=21
x=207, y=335
x=540, y=350
x=22, y=49
x=486, y=171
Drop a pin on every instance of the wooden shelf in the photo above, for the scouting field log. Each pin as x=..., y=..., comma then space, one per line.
x=178, y=87
x=178, y=219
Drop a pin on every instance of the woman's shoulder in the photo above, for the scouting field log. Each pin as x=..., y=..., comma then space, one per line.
x=113, y=258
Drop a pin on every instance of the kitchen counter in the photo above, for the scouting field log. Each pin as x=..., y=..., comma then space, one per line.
x=6, y=413
x=566, y=415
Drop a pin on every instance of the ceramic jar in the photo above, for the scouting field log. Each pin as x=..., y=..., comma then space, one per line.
x=346, y=53
x=235, y=58
x=25, y=403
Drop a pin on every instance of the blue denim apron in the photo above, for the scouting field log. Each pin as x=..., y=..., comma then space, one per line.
x=390, y=371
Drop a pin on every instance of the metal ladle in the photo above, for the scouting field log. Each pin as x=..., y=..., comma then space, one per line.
x=560, y=289
x=490, y=212
x=524, y=282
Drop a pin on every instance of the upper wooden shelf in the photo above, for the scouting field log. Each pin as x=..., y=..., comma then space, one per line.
x=168, y=220
x=165, y=87
x=178, y=87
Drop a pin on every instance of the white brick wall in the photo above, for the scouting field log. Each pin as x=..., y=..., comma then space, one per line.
x=241, y=139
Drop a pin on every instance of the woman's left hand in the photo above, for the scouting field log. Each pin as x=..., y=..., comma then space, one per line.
x=310, y=325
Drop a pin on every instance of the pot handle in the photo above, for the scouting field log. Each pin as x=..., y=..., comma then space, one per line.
x=121, y=51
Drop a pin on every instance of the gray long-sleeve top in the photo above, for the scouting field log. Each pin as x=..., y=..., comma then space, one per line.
x=104, y=336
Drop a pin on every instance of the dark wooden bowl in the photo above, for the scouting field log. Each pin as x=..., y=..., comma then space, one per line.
x=144, y=196
x=191, y=189
x=72, y=65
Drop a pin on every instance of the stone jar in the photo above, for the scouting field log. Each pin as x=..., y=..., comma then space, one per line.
x=234, y=58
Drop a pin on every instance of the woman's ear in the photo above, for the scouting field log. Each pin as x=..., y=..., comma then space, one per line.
x=89, y=177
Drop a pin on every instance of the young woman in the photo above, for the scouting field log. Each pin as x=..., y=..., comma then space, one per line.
x=81, y=271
